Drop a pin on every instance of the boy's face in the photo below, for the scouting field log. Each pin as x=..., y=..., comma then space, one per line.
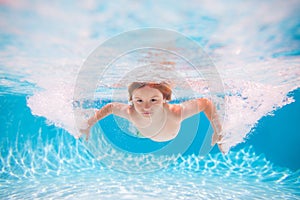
x=147, y=101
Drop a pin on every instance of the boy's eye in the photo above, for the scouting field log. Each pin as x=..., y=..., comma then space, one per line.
x=139, y=101
x=153, y=100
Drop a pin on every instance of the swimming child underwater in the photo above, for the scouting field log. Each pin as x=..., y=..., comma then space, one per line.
x=153, y=116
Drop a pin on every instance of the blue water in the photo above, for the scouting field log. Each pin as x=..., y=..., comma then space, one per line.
x=41, y=161
x=256, y=54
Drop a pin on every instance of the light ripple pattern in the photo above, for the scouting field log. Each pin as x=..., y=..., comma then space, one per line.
x=45, y=169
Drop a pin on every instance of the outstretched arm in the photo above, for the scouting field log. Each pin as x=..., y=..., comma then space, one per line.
x=119, y=109
x=192, y=107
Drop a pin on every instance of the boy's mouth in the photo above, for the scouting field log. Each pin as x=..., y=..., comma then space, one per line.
x=147, y=113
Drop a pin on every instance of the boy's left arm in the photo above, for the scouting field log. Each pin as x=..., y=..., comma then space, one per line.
x=192, y=107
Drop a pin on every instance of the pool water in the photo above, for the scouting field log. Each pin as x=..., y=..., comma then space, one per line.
x=42, y=161
x=255, y=53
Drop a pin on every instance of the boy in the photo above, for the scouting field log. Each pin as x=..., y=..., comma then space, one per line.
x=153, y=116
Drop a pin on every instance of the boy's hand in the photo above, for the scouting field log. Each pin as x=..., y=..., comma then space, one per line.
x=217, y=139
x=90, y=123
x=86, y=132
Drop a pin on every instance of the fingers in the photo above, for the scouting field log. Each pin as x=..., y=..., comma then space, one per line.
x=85, y=132
x=87, y=136
x=220, y=148
x=214, y=139
x=217, y=139
x=213, y=142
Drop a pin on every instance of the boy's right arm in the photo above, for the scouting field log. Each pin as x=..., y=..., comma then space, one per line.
x=119, y=109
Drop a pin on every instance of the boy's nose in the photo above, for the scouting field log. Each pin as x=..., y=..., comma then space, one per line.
x=147, y=106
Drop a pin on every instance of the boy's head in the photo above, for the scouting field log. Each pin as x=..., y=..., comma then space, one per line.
x=163, y=87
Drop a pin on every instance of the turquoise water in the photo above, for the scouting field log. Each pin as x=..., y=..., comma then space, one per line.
x=42, y=161
x=255, y=53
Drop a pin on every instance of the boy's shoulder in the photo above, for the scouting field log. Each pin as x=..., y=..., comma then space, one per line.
x=174, y=109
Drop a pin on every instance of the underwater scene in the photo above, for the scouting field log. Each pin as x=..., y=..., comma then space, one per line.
x=62, y=60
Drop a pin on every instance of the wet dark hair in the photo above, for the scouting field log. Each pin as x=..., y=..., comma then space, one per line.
x=163, y=87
